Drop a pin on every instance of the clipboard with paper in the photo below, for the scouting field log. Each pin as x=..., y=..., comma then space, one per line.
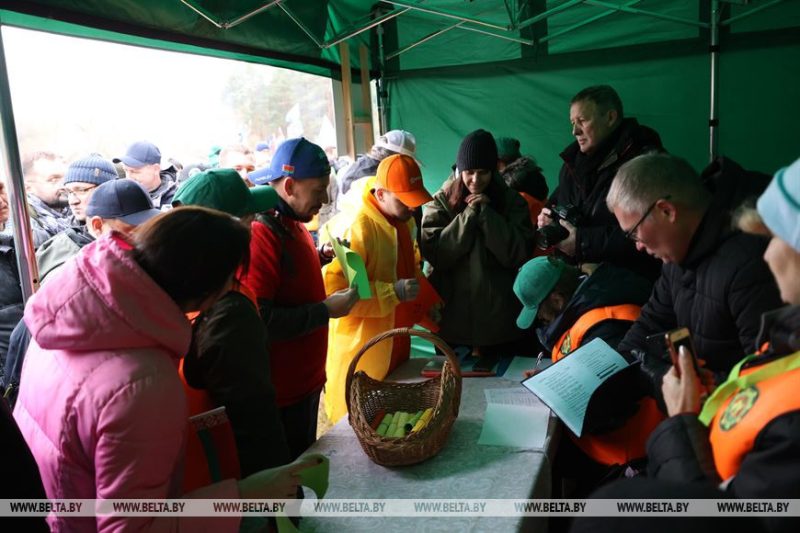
x=353, y=268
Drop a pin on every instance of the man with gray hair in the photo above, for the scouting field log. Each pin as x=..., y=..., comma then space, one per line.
x=604, y=140
x=713, y=281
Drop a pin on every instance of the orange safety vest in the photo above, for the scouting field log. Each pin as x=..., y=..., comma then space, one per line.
x=741, y=417
x=211, y=454
x=628, y=442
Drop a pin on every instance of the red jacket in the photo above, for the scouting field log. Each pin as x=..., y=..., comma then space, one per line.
x=285, y=270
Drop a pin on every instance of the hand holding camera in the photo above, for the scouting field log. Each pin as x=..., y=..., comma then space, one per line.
x=557, y=228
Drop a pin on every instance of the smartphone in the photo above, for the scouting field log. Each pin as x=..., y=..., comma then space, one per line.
x=674, y=340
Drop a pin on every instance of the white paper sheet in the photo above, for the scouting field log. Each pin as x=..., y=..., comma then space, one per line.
x=516, y=426
x=567, y=386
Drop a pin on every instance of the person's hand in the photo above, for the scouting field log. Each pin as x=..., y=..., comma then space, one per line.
x=326, y=250
x=406, y=289
x=544, y=218
x=707, y=379
x=341, y=302
x=568, y=244
x=682, y=394
x=278, y=483
x=475, y=200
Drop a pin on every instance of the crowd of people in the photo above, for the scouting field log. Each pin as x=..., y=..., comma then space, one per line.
x=163, y=282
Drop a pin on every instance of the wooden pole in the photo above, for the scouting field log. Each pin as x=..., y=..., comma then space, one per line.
x=347, y=92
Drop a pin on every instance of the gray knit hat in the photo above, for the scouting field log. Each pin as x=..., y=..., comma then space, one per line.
x=90, y=169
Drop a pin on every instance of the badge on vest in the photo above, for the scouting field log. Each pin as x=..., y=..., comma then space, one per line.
x=740, y=405
x=566, y=346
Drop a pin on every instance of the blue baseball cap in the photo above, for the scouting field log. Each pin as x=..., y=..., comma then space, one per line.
x=122, y=199
x=141, y=153
x=295, y=158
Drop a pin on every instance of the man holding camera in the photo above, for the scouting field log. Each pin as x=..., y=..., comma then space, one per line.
x=579, y=224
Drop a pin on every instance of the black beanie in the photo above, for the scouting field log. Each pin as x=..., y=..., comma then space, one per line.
x=477, y=151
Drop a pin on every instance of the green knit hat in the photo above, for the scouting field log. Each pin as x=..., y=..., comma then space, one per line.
x=508, y=149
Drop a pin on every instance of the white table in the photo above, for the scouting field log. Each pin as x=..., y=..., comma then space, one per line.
x=463, y=469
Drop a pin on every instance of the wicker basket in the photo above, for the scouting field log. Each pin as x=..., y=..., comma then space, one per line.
x=366, y=397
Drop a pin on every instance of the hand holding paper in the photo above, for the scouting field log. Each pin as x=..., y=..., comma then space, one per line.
x=341, y=302
x=567, y=386
x=355, y=272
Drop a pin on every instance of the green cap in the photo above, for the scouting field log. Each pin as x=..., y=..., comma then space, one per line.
x=223, y=189
x=534, y=282
x=508, y=149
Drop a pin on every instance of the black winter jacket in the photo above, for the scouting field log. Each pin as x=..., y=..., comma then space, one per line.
x=228, y=357
x=10, y=294
x=679, y=448
x=719, y=292
x=584, y=182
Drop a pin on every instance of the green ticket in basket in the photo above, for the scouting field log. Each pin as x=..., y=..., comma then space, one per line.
x=352, y=265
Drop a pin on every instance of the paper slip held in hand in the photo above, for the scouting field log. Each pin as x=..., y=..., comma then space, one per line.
x=355, y=272
x=567, y=386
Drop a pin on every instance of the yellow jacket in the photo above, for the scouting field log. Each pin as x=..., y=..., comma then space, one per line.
x=375, y=240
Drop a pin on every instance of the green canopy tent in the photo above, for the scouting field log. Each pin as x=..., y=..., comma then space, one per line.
x=711, y=76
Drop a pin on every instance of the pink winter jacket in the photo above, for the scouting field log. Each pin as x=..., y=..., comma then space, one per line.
x=100, y=403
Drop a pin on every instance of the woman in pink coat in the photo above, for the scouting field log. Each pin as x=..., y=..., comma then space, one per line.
x=101, y=405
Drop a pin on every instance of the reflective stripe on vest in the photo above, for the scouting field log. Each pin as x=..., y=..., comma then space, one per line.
x=740, y=419
x=628, y=442
x=573, y=337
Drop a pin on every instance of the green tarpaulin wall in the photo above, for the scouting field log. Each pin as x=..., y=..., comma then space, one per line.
x=446, y=75
x=463, y=79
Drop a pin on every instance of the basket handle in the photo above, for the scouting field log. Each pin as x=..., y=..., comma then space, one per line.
x=430, y=337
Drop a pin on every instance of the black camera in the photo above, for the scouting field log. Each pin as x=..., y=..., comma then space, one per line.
x=554, y=233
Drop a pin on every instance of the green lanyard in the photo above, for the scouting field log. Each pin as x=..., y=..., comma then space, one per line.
x=736, y=382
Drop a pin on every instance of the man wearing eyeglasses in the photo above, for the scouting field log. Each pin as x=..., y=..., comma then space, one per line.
x=80, y=181
x=713, y=281
x=604, y=140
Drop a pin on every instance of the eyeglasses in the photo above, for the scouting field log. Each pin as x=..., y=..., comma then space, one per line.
x=631, y=233
x=80, y=193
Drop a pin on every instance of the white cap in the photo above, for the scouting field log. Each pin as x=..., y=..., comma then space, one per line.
x=398, y=141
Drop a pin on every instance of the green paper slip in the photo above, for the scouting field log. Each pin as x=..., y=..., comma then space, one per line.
x=352, y=265
x=315, y=478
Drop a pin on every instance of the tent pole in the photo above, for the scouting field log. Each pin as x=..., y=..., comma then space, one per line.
x=353, y=32
x=300, y=24
x=12, y=167
x=424, y=39
x=383, y=125
x=583, y=23
x=347, y=95
x=446, y=14
x=646, y=13
x=713, y=121
x=545, y=14
x=366, y=100
x=753, y=11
